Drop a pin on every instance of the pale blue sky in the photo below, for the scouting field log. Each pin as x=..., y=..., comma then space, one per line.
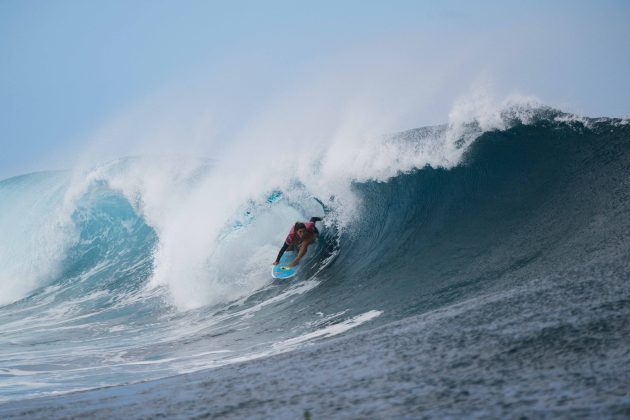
x=67, y=67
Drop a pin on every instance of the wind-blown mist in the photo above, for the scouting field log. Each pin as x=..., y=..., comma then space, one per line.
x=313, y=135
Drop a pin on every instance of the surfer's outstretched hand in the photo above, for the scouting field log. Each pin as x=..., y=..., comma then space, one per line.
x=274, y=263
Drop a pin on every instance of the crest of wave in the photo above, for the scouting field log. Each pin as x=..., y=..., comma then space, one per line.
x=191, y=202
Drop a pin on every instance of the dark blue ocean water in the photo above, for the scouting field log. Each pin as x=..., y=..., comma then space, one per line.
x=494, y=287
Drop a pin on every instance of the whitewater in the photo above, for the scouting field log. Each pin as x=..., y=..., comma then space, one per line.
x=476, y=267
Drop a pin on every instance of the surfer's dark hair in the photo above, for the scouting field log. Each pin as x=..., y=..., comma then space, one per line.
x=298, y=226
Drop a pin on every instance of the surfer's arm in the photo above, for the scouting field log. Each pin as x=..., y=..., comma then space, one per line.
x=299, y=256
x=303, y=249
x=284, y=248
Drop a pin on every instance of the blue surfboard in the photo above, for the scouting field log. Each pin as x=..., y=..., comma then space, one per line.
x=281, y=271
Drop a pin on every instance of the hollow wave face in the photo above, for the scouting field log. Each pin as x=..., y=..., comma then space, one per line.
x=145, y=267
x=527, y=202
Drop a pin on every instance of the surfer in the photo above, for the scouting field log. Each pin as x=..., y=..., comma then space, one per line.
x=301, y=235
